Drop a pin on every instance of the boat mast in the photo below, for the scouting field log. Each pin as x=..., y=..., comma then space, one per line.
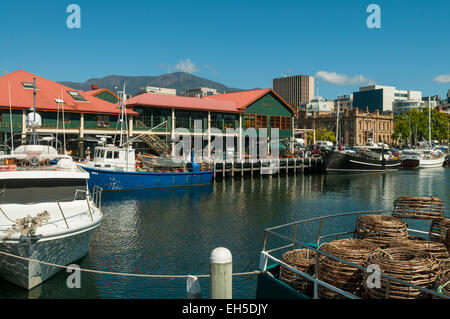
x=429, y=121
x=34, y=111
x=337, y=125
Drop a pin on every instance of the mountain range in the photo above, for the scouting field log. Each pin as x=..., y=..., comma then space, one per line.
x=178, y=80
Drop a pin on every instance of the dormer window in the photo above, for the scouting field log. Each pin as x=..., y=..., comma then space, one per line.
x=28, y=85
x=77, y=96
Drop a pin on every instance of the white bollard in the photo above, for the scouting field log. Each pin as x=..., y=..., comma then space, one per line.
x=194, y=291
x=221, y=273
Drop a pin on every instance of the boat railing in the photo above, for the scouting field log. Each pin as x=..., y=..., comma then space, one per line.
x=94, y=197
x=267, y=254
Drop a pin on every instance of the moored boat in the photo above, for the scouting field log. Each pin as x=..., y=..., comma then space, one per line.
x=47, y=214
x=361, y=161
x=339, y=264
x=115, y=168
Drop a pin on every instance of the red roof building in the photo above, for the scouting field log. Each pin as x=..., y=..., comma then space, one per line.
x=20, y=84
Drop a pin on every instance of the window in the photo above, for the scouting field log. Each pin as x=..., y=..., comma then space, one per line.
x=116, y=155
x=281, y=122
x=103, y=121
x=77, y=96
x=229, y=121
x=28, y=85
x=182, y=119
x=109, y=154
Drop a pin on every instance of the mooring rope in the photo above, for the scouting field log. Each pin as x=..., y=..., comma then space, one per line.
x=120, y=273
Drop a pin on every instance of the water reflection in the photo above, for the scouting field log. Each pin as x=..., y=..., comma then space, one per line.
x=173, y=231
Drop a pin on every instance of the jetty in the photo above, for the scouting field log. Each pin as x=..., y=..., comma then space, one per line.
x=276, y=166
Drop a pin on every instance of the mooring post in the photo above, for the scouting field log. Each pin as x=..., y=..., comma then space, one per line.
x=221, y=273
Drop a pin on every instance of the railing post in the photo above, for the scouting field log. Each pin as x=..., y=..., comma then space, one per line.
x=320, y=231
x=62, y=213
x=221, y=273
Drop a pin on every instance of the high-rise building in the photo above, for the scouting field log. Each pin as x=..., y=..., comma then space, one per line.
x=295, y=90
x=382, y=98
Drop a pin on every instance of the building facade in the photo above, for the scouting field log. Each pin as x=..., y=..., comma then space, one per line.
x=199, y=92
x=379, y=97
x=295, y=90
x=157, y=90
x=356, y=127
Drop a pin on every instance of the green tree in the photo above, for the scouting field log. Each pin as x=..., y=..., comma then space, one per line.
x=412, y=126
x=322, y=134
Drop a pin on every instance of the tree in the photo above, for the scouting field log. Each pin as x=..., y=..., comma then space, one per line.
x=322, y=134
x=412, y=126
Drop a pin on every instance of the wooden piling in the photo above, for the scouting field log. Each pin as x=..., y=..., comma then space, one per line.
x=221, y=273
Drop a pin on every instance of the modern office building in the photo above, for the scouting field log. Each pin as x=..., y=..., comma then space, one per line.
x=199, y=92
x=295, y=90
x=380, y=97
x=399, y=107
x=157, y=90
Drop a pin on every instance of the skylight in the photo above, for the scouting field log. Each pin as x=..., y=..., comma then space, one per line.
x=28, y=85
x=76, y=96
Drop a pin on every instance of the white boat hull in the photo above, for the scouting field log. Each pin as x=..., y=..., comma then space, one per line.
x=432, y=163
x=61, y=250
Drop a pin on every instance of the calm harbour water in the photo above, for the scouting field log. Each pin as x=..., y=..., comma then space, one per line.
x=173, y=231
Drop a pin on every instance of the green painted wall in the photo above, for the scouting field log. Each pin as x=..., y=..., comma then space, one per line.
x=106, y=96
x=5, y=124
x=90, y=122
x=71, y=120
x=269, y=104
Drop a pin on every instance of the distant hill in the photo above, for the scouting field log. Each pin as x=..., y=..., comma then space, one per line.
x=178, y=80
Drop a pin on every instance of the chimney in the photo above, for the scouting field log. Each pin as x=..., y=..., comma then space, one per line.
x=94, y=87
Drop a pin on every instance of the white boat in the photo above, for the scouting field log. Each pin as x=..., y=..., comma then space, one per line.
x=47, y=213
x=431, y=158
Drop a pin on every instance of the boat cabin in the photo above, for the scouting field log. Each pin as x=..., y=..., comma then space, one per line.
x=115, y=158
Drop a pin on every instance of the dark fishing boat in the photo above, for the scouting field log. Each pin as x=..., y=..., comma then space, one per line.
x=363, y=160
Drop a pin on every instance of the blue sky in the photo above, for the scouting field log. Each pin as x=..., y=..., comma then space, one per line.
x=243, y=44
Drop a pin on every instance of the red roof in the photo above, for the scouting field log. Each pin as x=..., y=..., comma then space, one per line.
x=244, y=98
x=46, y=93
x=182, y=102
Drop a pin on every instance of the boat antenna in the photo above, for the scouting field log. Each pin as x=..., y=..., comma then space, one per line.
x=429, y=121
x=34, y=111
x=10, y=118
x=63, y=123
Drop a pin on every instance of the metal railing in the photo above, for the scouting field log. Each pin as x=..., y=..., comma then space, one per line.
x=265, y=254
x=95, y=196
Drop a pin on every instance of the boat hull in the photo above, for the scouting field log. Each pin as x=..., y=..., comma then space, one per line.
x=119, y=180
x=27, y=274
x=432, y=163
x=410, y=163
x=346, y=163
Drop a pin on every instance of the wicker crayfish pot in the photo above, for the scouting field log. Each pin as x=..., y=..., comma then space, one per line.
x=303, y=260
x=339, y=274
x=440, y=231
x=435, y=248
x=415, y=267
x=429, y=208
x=442, y=284
x=381, y=230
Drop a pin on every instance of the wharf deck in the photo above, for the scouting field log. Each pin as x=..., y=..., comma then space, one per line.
x=295, y=165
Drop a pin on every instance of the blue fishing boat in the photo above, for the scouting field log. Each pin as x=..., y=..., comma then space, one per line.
x=115, y=168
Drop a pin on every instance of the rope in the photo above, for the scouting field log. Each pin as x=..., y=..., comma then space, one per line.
x=119, y=273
